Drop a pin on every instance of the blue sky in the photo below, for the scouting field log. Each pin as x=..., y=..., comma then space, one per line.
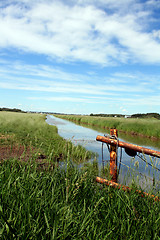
x=82, y=57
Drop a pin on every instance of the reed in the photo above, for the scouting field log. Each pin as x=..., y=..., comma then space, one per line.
x=66, y=203
x=147, y=127
x=31, y=130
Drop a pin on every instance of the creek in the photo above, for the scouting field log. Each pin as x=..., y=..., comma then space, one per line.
x=130, y=167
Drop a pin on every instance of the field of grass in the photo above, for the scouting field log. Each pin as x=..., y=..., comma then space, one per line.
x=148, y=127
x=66, y=203
x=62, y=202
x=32, y=132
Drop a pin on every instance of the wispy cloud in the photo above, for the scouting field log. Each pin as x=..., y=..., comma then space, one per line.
x=128, y=102
x=44, y=78
x=81, y=31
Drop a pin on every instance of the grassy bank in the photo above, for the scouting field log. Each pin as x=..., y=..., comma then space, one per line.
x=65, y=202
x=36, y=137
x=146, y=127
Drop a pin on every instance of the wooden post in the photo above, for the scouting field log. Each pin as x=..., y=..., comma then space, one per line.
x=113, y=157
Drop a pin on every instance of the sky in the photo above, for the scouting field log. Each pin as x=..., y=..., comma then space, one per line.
x=80, y=56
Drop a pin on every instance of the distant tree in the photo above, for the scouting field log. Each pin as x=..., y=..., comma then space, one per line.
x=146, y=115
x=107, y=115
x=11, y=110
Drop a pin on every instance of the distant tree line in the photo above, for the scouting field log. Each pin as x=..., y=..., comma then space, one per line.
x=11, y=110
x=138, y=115
x=106, y=115
x=146, y=115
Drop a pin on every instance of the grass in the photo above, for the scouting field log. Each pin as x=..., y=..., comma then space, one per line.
x=147, y=127
x=31, y=131
x=65, y=202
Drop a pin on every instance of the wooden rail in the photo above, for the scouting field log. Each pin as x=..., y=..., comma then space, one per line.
x=125, y=188
x=125, y=145
x=132, y=149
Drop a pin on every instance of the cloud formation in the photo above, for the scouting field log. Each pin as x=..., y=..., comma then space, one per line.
x=98, y=32
x=102, y=55
x=56, y=85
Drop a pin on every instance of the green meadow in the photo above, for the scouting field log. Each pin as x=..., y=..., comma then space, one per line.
x=32, y=132
x=40, y=198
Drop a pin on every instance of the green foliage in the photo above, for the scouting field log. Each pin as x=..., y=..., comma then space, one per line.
x=146, y=115
x=106, y=115
x=11, y=110
x=138, y=115
x=148, y=127
x=32, y=130
x=66, y=203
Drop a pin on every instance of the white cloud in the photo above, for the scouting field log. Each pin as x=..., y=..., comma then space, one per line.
x=65, y=99
x=153, y=3
x=83, y=31
x=156, y=34
x=153, y=101
x=72, y=88
x=43, y=78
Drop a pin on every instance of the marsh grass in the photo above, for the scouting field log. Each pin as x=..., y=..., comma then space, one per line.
x=65, y=202
x=147, y=127
x=31, y=131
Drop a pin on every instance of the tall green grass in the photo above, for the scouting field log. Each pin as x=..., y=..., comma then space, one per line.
x=146, y=127
x=31, y=130
x=66, y=203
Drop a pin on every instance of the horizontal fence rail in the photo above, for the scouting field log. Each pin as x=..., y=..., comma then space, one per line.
x=131, y=150
x=125, y=188
x=136, y=148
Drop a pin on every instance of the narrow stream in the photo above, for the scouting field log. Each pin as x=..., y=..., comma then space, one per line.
x=86, y=137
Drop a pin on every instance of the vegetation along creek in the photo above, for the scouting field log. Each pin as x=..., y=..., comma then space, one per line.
x=39, y=200
x=132, y=169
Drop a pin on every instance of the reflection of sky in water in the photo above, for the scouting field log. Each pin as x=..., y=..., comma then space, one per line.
x=87, y=138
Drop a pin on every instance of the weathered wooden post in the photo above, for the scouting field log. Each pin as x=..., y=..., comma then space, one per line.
x=113, y=157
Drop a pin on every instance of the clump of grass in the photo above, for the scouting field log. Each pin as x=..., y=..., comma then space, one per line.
x=66, y=203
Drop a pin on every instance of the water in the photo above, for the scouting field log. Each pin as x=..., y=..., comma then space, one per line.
x=129, y=166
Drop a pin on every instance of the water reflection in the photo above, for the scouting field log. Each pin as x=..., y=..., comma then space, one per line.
x=86, y=136
x=138, y=140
